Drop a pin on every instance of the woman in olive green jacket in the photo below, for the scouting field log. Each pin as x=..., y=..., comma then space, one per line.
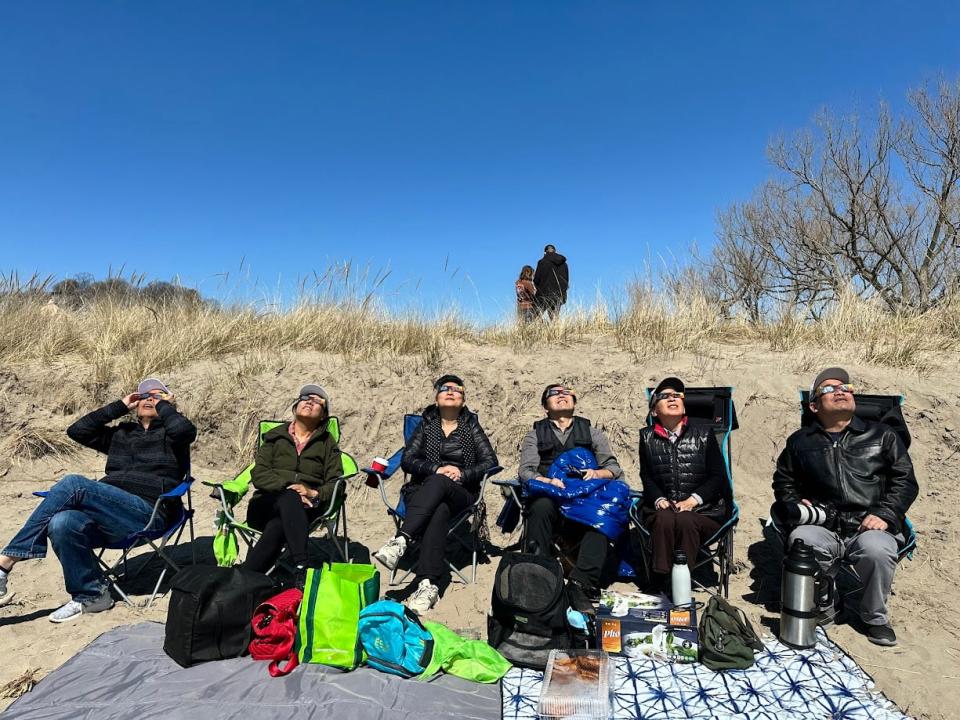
x=294, y=475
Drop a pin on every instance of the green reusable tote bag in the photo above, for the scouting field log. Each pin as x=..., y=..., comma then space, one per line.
x=333, y=597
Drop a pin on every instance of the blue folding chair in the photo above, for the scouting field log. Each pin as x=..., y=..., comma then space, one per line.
x=887, y=409
x=472, y=518
x=159, y=540
x=714, y=407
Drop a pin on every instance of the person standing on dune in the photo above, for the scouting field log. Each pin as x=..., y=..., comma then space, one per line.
x=551, y=279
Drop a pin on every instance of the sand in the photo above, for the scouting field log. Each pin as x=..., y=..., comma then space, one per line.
x=225, y=398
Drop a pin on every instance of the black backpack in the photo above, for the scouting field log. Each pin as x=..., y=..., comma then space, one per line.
x=210, y=611
x=528, y=610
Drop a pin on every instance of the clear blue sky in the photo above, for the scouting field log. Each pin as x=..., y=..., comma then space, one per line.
x=177, y=138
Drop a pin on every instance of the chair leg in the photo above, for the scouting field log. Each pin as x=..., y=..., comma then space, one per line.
x=346, y=537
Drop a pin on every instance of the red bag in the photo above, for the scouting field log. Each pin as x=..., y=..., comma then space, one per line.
x=274, y=631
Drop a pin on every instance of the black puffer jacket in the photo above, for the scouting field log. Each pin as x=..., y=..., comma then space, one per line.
x=866, y=471
x=677, y=470
x=415, y=461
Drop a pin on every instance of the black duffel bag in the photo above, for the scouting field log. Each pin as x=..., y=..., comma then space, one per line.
x=529, y=610
x=210, y=611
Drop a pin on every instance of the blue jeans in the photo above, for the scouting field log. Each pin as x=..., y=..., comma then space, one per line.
x=78, y=515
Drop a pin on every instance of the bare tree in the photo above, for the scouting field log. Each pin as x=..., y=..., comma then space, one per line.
x=876, y=211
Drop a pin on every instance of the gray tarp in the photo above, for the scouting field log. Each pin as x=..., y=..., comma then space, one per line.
x=124, y=673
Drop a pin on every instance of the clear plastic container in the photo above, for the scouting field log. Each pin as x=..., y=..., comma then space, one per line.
x=576, y=686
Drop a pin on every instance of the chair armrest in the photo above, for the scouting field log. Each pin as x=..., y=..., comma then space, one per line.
x=41, y=493
x=180, y=490
x=513, y=482
x=393, y=464
x=496, y=469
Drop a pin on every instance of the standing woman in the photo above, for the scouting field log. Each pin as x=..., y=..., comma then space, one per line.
x=446, y=458
x=294, y=475
x=685, y=492
x=526, y=295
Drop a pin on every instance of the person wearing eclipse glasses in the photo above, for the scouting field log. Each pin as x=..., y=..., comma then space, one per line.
x=861, y=469
x=294, y=474
x=685, y=492
x=145, y=459
x=446, y=458
x=559, y=431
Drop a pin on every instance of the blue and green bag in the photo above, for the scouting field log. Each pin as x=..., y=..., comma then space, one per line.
x=394, y=639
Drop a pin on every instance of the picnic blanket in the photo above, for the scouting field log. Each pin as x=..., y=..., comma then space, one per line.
x=783, y=684
x=124, y=673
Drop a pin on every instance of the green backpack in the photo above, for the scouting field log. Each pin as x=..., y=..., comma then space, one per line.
x=727, y=639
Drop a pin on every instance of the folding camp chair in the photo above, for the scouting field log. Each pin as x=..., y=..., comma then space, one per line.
x=470, y=518
x=711, y=406
x=231, y=492
x=887, y=409
x=159, y=540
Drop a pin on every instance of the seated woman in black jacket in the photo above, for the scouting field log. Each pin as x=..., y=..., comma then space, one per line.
x=446, y=458
x=685, y=490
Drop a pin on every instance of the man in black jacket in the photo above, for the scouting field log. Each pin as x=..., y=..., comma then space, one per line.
x=863, y=471
x=551, y=279
x=558, y=432
x=145, y=459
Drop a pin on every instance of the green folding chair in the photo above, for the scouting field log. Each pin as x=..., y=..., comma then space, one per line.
x=230, y=529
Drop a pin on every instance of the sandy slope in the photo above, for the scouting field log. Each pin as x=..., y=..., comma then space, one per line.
x=920, y=674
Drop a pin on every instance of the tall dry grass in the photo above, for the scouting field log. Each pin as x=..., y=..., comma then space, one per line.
x=114, y=343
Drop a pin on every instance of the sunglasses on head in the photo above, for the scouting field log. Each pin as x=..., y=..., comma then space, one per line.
x=451, y=388
x=827, y=389
x=668, y=395
x=315, y=399
x=553, y=392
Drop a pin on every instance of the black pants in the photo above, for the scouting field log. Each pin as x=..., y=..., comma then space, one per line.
x=544, y=521
x=430, y=505
x=670, y=530
x=284, y=520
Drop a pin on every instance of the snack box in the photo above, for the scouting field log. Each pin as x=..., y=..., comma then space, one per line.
x=576, y=684
x=647, y=626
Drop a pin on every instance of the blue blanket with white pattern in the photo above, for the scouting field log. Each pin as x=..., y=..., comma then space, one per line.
x=783, y=684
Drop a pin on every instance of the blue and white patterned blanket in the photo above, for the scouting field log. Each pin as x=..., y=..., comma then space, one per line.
x=783, y=684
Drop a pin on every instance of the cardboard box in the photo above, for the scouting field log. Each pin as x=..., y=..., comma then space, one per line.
x=651, y=628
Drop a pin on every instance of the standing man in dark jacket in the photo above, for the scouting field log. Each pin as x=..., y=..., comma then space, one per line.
x=558, y=432
x=551, y=279
x=862, y=471
x=145, y=459
x=686, y=495
x=447, y=457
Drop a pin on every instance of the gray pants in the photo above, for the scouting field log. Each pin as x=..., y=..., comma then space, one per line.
x=873, y=556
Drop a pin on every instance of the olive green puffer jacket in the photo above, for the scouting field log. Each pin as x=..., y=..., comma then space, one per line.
x=278, y=466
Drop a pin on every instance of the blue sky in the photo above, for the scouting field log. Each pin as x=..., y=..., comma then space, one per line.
x=447, y=141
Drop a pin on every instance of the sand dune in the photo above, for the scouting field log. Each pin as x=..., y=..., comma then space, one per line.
x=224, y=400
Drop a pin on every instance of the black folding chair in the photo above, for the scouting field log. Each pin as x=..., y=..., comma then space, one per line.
x=887, y=409
x=713, y=407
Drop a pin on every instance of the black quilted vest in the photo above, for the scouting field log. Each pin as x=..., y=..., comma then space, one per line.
x=681, y=467
x=549, y=445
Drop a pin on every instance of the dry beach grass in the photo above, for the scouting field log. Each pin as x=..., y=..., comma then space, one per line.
x=233, y=366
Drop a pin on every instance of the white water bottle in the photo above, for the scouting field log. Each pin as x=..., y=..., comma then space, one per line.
x=680, y=579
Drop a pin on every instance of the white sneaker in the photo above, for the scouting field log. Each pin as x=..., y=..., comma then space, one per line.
x=389, y=555
x=424, y=597
x=5, y=595
x=74, y=609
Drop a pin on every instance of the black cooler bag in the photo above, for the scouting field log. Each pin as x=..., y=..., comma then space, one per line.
x=528, y=610
x=210, y=612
